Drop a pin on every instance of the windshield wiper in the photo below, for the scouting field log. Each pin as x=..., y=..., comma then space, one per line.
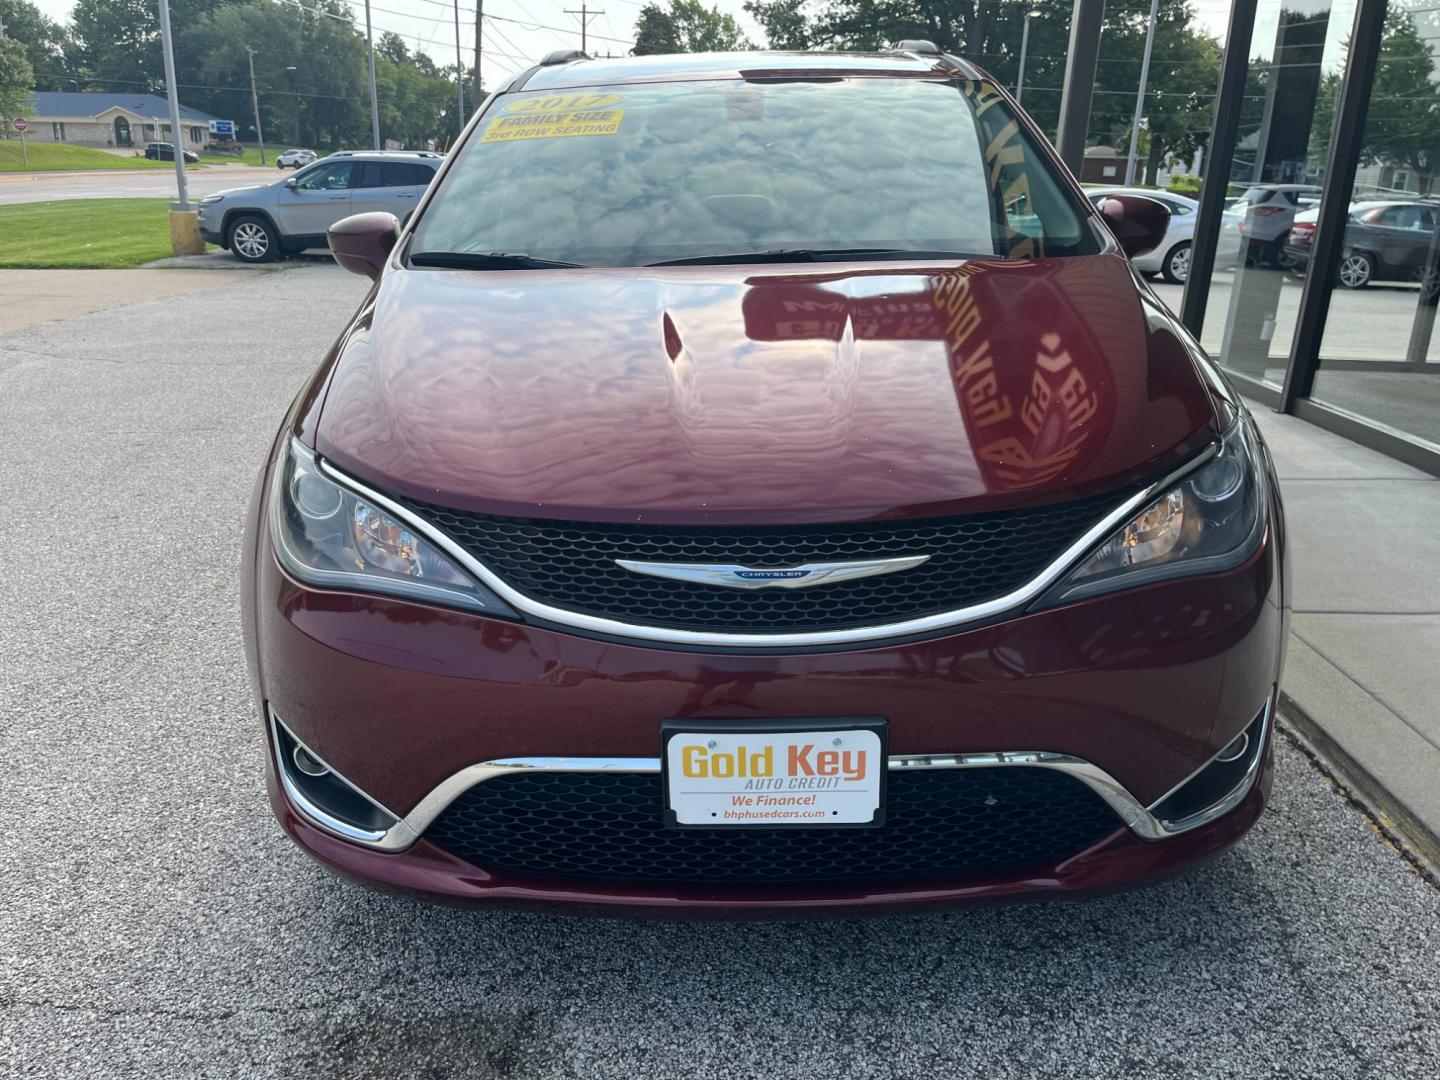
x=488, y=260
x=786, y=255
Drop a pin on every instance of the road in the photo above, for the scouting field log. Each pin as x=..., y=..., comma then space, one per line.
x=157, y=923
x=129, y=184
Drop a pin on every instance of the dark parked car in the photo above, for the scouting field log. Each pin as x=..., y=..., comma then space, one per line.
x=759, y=482
x=1384, y=241
x=164, y=151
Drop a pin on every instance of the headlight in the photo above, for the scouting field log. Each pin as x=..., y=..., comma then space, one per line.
x=1211, y=521
x=328, y=536
x=208, y=199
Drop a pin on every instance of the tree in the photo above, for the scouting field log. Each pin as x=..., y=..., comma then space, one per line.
x=392, y=47
x=1404, y=110
x=44, y=43
x=687, y=26
x=17, y=78
x=115, y=44
x=1402, y=125
x=1183, y=74
x=784, y=22
x=655, y=32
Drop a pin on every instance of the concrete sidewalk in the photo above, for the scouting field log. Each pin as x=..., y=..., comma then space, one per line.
x=1362, y=682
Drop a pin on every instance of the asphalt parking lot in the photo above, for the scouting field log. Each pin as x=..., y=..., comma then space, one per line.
x=157, y=923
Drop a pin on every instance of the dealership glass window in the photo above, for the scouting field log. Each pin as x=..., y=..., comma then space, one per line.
x=1380, y=354
x=1297, y=53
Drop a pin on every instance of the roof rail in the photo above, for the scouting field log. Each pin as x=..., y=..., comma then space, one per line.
x=563, y=56
x=917, y=45
x=387, y=153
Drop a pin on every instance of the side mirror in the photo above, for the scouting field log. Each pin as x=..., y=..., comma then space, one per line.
x=362, y=242
x=1139, y=224
x=291, y=183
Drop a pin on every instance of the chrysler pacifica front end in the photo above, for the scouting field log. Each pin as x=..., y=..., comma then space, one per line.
x=758, y=483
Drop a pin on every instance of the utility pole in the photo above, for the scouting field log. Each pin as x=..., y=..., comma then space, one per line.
x=1086, y=21
x=255, y=104
x=374, y=98
x=1140, y=97
x=174, y=95
x=585, y=16
x=1024, y=48
x=479, y=94
x=459, y=74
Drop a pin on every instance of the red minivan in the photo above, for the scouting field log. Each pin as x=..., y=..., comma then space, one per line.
x=758, y=483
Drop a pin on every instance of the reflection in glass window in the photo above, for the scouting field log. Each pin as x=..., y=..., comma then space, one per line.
x=1379, y=359
x=1297, y=56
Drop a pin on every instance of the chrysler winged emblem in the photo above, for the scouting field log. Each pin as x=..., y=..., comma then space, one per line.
x=791, y=577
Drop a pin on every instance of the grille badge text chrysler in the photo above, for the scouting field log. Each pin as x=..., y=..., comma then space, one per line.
x=793, y=577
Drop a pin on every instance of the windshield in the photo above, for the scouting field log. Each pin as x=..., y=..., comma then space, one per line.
x=638, y=174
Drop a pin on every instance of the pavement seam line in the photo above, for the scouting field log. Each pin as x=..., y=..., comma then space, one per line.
x=1368, y=692
x=1354, y=783
x=1352, y=611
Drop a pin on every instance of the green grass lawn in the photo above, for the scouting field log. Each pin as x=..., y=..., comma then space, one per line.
x=100, y=234
x=59, y=156
x=250, y=157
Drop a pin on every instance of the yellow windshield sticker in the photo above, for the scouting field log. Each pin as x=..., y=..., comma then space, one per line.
x=554, y=125
x=563, y=103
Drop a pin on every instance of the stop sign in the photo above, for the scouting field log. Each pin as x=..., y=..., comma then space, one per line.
x=20, y=124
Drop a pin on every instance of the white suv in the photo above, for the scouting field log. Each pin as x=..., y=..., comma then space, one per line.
x=295, y=159
x=262, y=223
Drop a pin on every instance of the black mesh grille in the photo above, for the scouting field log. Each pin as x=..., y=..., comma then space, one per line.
x=938, y=822
x=572, y=565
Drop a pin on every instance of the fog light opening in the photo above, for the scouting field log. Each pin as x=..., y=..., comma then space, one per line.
x=307, y=764
x=1236, y=750
x=325, y=797
x=1219, y=786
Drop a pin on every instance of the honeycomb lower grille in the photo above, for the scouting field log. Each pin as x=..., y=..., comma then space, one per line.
x=571, y=565
x=938, y=822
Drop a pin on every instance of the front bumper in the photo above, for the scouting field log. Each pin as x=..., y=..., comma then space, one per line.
x=399, y=698
x=1120, y=861
x=209, y=225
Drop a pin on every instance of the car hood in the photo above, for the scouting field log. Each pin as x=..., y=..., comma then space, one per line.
x=251, y=189
x=776, y=394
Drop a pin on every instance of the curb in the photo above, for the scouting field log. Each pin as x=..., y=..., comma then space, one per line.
x=1411, y=838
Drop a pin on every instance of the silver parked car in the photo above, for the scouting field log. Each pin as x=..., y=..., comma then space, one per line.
x=264, y=222
x=1171, y=258
x=295, y=159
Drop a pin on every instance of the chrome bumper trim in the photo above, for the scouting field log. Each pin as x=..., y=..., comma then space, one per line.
x=1237, y=794
x=1133, y=814
x=396, y=838
x=945, y=620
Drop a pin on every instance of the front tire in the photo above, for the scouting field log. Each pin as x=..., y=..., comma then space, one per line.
x=1176, y=267
x=252, y=240
x=1356, y=270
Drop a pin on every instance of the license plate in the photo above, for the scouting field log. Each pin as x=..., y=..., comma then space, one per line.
x=774, y=774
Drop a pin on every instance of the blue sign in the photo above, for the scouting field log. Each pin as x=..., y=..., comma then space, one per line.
x=222, y=127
